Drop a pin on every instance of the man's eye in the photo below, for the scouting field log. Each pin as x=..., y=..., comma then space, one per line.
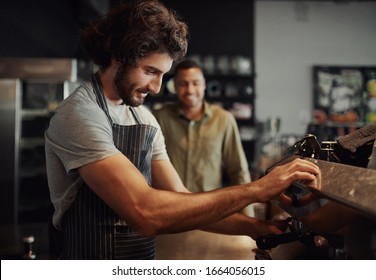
x=150, y=71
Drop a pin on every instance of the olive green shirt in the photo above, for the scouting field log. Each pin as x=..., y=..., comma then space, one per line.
x=372, y=161
x=201, y=150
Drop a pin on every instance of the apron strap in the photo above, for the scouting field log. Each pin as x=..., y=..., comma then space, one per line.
x=100, y=97
x=102, y=100
x=133, y=111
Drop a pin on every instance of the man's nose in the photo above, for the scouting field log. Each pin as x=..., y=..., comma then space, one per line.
x=190, y=88
x=155, y=85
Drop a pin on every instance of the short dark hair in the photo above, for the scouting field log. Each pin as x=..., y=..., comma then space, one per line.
x=187, y=64
x=133, y=30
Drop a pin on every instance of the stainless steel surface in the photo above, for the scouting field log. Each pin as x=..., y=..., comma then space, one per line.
x=23, y=123
x=9, y=118
x=39, y=69
x=349, y=185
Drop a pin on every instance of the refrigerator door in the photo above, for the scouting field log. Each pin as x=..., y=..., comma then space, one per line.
x=9, y=114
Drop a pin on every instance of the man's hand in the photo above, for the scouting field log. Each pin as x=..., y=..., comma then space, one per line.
x=281, y=177
x=261, y=228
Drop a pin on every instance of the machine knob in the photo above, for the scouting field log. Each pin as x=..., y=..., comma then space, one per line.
x=28, y=246
x=308, y=147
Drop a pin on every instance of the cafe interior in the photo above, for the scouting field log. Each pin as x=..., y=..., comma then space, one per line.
x=299, y=77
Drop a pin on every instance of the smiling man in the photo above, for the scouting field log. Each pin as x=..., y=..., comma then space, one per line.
x=202, y=139
x=111, y=182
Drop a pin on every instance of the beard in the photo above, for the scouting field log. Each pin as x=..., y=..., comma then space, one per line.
x=126, y=89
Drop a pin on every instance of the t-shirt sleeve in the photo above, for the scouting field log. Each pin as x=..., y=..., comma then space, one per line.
x=80, y=133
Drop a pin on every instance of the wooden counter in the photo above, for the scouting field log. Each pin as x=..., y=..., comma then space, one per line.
x=200, y=245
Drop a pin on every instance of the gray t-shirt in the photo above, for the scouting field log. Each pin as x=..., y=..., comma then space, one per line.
x=80, y=133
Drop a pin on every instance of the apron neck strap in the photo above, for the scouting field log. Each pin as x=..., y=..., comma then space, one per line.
x=100, y=96
x=101, y=99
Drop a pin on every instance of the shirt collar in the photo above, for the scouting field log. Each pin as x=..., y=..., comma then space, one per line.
x=207, y=110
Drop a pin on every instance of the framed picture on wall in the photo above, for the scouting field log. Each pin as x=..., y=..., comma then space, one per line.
x=344, y=94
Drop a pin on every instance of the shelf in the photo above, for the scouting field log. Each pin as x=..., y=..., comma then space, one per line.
x=339, y=124
x=26, y=172
x=330, y=131
x=32, y=113
x=222, y=99
x=230, y=76
x=31, y=142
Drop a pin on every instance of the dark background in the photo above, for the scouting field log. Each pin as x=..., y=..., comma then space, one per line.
x=46, y=28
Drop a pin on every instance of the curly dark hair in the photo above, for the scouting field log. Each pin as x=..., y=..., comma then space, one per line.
x=131, y=31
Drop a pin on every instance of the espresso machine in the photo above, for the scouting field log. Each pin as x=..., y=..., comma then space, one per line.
x=346, y=185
